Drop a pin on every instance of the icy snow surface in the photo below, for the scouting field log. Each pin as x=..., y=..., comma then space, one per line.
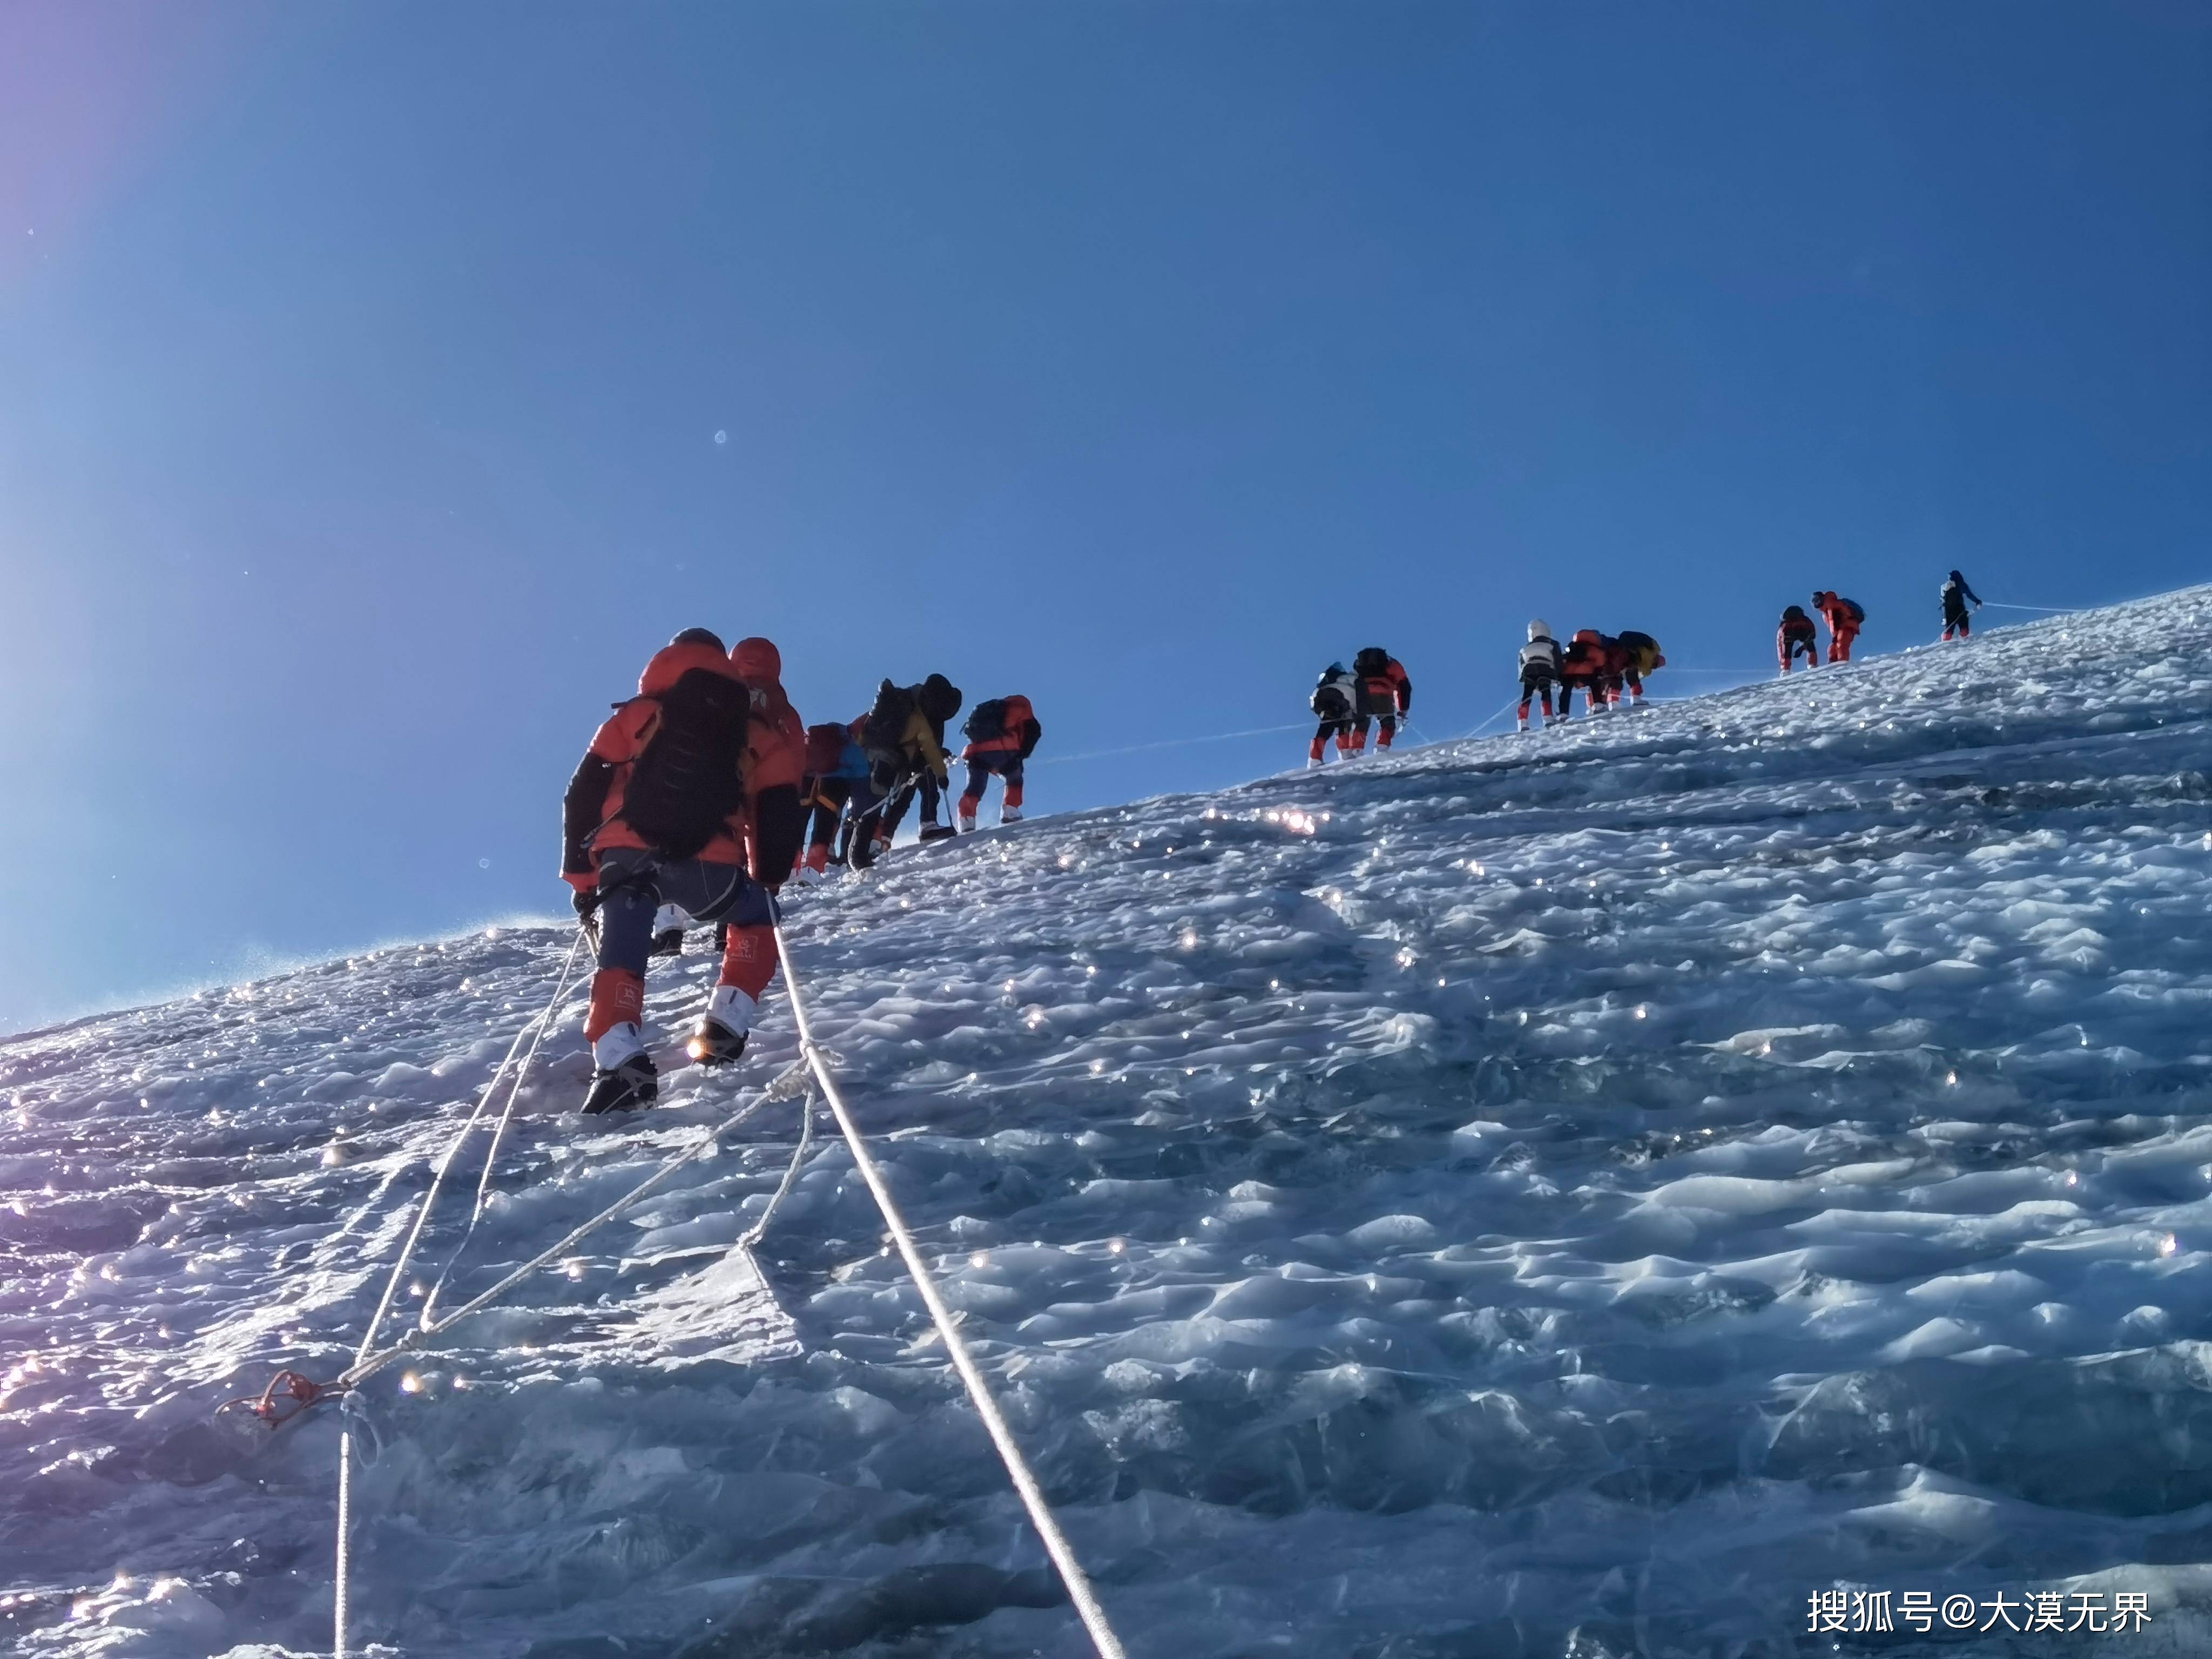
x=1573, y=1194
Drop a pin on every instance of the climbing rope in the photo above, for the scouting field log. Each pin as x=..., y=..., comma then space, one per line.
x=368, y=1365
x=460, y=1137
x=793, y=1083
x=971, y=1375
x=1167, y=742
x=499, y=1130
x=1476, y=730
x=292, y=1394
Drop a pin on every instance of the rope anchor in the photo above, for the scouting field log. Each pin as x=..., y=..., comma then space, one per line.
x=289, y=1395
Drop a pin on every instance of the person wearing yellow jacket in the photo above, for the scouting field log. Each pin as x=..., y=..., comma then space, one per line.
x=904, y=736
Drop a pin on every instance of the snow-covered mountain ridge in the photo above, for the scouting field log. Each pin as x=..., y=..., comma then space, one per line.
x=1578, y=1194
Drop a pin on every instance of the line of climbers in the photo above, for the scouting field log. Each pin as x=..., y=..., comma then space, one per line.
x=694, y=803
x=1600, y=665
x=705, y=793
x=1603, y=666
x=1375, y=690
x=862, y=776
x=1799, y=636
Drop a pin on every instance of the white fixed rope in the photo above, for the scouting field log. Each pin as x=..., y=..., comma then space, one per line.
x=1072, y=1574
x=796, y=1081
x=369, y=1364
x=536, y=1026
x=1166, y=743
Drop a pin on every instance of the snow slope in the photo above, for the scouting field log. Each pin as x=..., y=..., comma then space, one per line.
x=1571, y=1194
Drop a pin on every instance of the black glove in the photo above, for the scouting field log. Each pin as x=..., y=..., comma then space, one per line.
x=586, y=900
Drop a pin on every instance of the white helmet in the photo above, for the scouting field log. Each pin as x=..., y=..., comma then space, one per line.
x=1540, y=630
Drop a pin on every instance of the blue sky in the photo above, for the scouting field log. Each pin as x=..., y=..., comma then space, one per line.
x=361, y=368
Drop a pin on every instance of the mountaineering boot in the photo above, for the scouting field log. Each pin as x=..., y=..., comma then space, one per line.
x=719, y=1035
x=714, y=1043
x=1010, y=815
x=967, y=821
x=1524, y=723
x=1314, y=762
x=633, y=1083
x=668, y=921
x=936, y=831
x=626, y=1077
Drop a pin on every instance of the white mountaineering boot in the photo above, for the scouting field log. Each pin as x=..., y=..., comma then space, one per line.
x=719, y=1035
x=624, y=1076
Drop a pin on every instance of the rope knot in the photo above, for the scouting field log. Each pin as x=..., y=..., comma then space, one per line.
x=289, y=1395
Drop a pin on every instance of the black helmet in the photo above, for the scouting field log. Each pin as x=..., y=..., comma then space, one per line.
x=699, y=636
x=938, y=698
x=1796, y=612
x=1956, y=577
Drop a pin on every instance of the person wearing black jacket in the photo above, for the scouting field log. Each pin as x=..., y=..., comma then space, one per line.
x=1382, y=692
x=1956, y=597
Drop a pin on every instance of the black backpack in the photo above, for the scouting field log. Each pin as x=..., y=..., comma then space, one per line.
x=885, y=725
x=687, y=781
x=987, y=721
x=1854, y=610
x=1370, y=663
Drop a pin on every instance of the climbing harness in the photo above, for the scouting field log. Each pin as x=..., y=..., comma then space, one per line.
x=1072, y=1574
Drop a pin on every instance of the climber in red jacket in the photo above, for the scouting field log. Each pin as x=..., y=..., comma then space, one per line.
x=1798, y=633
x=1844, y=616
